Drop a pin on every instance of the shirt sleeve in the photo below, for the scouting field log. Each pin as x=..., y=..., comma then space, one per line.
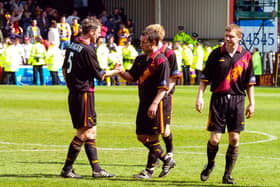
x=163, y=74
x=174, y=72
x=96, y=71
x=136, y=69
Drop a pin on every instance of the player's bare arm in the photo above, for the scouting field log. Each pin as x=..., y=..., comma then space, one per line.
x=172, y=83
x=154, y=106
x=199, y=99
x=251, y=106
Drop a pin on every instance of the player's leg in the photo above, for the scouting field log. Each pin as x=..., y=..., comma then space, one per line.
x=212, y=149
x=231, y=157
x=89, y=137
x=73, y=151
x=235, y=126
x=75, y=103
x=151, y=142
x=167, y=135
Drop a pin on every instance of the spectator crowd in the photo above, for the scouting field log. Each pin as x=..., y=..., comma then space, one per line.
x=38, y=36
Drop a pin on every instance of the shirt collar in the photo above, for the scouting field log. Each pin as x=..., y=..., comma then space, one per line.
x=224, y=50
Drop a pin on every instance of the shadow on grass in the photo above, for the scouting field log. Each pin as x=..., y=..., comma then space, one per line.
x=125, y=179
x=61, y=163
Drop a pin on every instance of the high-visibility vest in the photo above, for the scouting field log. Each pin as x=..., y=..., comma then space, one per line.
x=187, y=56
x=37, y=54
x=13, y=58
x=114, y=57
x=257, y=63
x=182, y=37
x=54, y=58
x=129, y=54
x=102, y=53
x=198, y=56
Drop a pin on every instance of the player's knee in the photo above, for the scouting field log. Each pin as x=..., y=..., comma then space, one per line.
x=86, y=133
x=214, y=141
x=234, y=139
x=147, y=138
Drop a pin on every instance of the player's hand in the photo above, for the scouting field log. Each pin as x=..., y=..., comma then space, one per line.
x=152, y=111
x=249, y=111
x=199, y=104
x=167, y=131
x=119, y=67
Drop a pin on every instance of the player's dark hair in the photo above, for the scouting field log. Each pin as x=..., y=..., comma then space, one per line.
x=90, y=23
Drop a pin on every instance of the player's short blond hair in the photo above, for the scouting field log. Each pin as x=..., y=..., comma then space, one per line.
x=158, y=29
x=235, y=28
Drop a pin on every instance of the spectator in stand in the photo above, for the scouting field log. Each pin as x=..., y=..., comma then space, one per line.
x=131, y=28
x=44, y=24
x=17, y=30
x=17, y=4
x=70, y=18
x=16, y=15
x=2, y=16
x=104, y=29
x=75, y=29
x=53, y=34
x=122, y=15
x=26, y=20
x=64, y=33
x=116, y=20
x=110, y=26
x=123, y=35
x=33, y=31
x=8, y=25
x=27, y=48
x=104, y=17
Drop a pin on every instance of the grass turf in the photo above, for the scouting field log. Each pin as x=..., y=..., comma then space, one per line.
x=36, y=130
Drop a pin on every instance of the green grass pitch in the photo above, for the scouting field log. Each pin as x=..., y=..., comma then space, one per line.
x=36, y=131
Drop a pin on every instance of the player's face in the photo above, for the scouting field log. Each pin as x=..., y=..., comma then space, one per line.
x=231, y=39
x=145, y=44
x=94, y=34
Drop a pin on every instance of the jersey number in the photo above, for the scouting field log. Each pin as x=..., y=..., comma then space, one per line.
x=69, y=62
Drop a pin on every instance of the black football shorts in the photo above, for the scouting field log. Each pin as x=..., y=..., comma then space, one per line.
x=226, y=111
x=82, y=111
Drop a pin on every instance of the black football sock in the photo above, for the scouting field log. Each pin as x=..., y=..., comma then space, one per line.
x=73, y=152
x=168, y=143
x=155, y=152
x=231, y=157
x=211, y=153
x=91, y=151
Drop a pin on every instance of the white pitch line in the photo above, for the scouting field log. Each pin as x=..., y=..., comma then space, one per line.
x=270, y=138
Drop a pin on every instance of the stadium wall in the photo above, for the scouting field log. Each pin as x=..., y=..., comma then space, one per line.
x=206, y=17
